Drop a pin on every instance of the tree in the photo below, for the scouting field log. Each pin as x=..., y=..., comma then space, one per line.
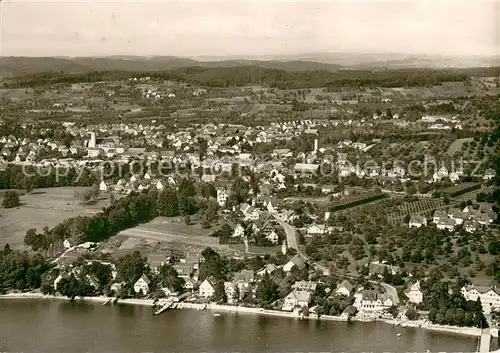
x=71, y=287
x=202, y=148
x=412, y=314
x=101, y=271
x=267, y=291
x=220, y=292
x=6, y=250
x=168, y=277
x=130, y=268
x=28, y=184
x=209, y=190
x=393, y=310
x=432, y=315
x=11, y=199
x=468, y=319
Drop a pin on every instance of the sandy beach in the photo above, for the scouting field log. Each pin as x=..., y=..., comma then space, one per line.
x=470, y=331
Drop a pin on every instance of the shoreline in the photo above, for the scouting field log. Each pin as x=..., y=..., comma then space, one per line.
x=426, y=325
x=421, y=324
x=99, y=299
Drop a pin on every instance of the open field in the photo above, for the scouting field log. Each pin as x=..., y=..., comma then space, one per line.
x=163, y=230
x=456, y=145
x=42, y=208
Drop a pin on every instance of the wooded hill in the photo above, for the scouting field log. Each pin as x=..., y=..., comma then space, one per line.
x=257, y=75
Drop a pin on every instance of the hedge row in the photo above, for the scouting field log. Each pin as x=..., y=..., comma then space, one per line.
x=358, y=202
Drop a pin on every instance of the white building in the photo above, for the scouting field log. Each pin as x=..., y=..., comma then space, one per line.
x=417, y=221
x=489, y=296
x=448, y=224
x=454, y=178
x=489, y=174
x=345, y=288
x=316, y=229
x=231, y=290
x=92, y=141
x=249, y=212
x=239, y=231
x=221, y=197
x=296, y=298
x=142, y=285
x=296, y=261
x=369, y=301
x=67, y=243
x=105, y=185
x=207, y=289
x=414, y=294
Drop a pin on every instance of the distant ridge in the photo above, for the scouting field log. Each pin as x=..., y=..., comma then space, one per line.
x=332, y=62
x=13, y=66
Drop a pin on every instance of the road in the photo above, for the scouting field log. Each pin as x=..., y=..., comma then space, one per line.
x=484, y=341
x=291, y=241
x=56, y=260
x=291, y=234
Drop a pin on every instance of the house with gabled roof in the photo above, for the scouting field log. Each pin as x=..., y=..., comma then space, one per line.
x=106, y=185
x=186, y=271
x=141, y=286
x=207, y=288
x=447, y=223
x=269, y=268
x=156, y=260
x=305, y=286
x=489, y=174
x=470, y=226
x=295, y=261
x=439, y=215
x=370, y=301
x=489, y=296
x=296, y=299
x=344, y=288
x=244, y=279
x=250, y=213
x=414, y=294
x=417, y=221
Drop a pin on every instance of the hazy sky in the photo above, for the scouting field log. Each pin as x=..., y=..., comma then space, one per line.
x=208, y=28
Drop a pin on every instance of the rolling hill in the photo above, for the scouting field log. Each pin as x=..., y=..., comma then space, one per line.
x=15, y=66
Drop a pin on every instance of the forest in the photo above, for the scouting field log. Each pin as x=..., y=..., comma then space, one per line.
x=254, y=75
x=21, y=270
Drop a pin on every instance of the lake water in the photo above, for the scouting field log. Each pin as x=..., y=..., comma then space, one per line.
x=28, y=325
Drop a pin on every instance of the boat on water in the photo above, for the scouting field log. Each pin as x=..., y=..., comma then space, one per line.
x=160, y=310
x=106, y=302
x=216, y=314
x=399, y=334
